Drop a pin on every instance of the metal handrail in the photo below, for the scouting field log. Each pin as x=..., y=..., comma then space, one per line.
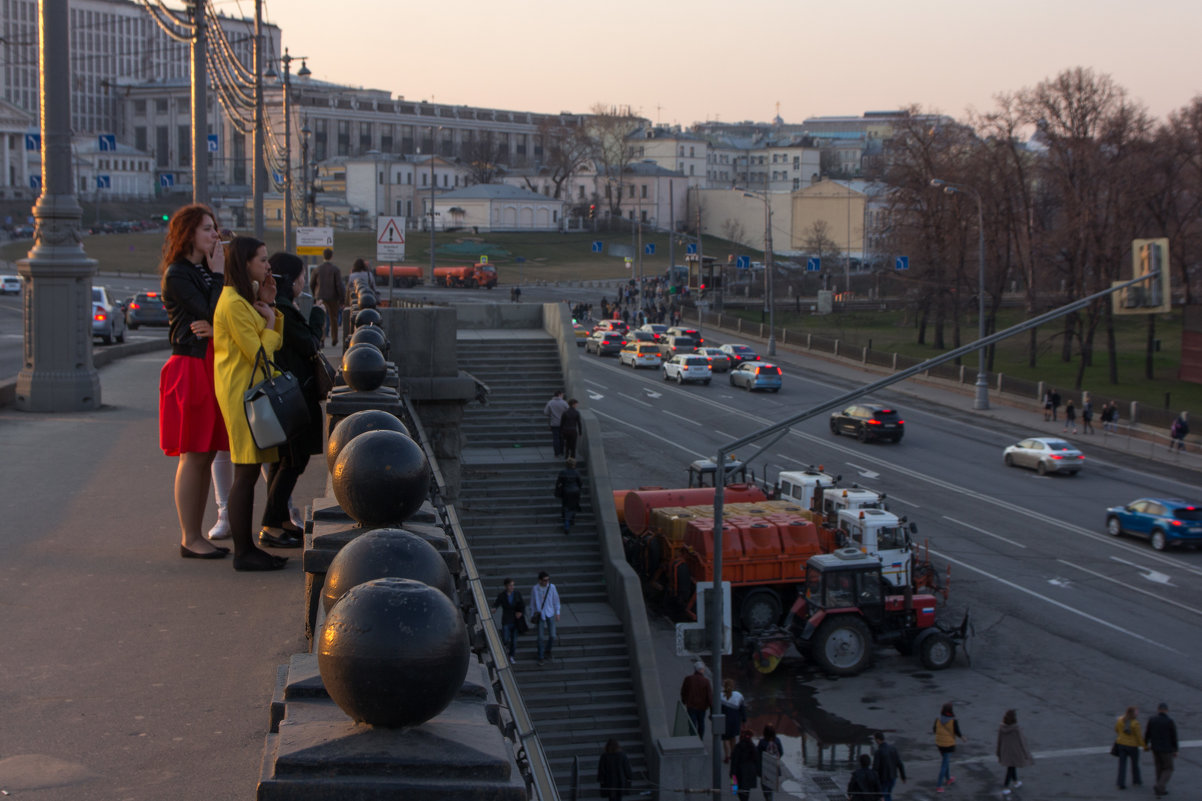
x=532, y=760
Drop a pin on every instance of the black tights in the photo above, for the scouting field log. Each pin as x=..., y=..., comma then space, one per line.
x=1011, y=776
x=281, y=480
x=241, y=506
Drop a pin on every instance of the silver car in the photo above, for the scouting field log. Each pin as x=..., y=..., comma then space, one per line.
x=108, y=317
x=1045, y=455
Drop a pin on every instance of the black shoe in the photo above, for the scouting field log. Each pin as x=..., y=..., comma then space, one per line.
x=217, y=553
x=285, y=539
x=258, y=560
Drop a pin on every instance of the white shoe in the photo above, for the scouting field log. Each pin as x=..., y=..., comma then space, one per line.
x=1017, y=784
x=295, y=515
x=1005, y=791
x=220, y=529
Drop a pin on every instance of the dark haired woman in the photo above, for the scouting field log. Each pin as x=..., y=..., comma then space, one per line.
x=302, y=337
x=190, y=422
x=244, y=323
x=613, y=771
x=946, y=730
x=1012, y=751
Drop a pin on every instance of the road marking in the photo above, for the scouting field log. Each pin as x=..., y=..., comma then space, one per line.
x=635, y=400
x=1140, y=590
x=1060, y=753
x=1147, y=572
x=983, y=531
x=594, y=395
x=595, y=384
x=651, y=434
x=723, y=434
x=863, y=471
x=1053, y=602
x=679, y=417
x=891, y=497
x=652, y=394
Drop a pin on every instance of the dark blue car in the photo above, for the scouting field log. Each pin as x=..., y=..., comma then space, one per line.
x=1164, y=521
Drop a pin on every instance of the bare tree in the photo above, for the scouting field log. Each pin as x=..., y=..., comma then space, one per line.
x=609, y=128
x=483, y=155
x=733, y=231
x=817, y=240
x=566, y=148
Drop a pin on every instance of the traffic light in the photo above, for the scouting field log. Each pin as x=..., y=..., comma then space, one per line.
x=166, y=217
x=592, y=210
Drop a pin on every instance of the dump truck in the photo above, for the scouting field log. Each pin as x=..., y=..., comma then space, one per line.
x=479, y=274
x=402, y=275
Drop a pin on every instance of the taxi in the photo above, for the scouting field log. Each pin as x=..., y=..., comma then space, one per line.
x=641, y=354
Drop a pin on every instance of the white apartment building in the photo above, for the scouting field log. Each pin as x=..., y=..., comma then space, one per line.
x=674, y=151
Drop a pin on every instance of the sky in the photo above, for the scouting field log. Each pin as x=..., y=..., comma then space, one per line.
x=685, y=61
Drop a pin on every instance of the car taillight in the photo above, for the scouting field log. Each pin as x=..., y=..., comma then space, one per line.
x=1176, y=522
x=901, y=422
x=874, y=422
x=1056, y=456
x=99, y=317
x=134, y=306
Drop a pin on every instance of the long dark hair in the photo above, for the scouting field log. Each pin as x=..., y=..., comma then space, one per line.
x=241, y=250
x=1010, y=718
x=285, y=267
x=180, y=233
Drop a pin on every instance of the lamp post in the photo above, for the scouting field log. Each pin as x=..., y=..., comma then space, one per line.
x=303, y=72
x=981, y=400
x=769, y=289
x=306, y=132
x=433, y=150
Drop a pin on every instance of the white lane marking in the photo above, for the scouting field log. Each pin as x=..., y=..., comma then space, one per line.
x=595, y=384
x=723, y=434
x=890, y=497
x=652, y=394
x=1012, y=585
x=594, y=395
x=983, y=531
x=680, y=417
x=863, y=471
x=1151, y=575
x=635, y=400
x=1060, y=753
x=645, y=432
x=1140, y=590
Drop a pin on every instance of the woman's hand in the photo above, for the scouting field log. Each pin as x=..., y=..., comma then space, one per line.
x=217, y=258
x=202, y=329
x=267, y=290
x=266, y=311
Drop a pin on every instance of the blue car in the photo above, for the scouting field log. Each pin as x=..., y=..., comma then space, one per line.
x=1165, y=521
x=756, y=375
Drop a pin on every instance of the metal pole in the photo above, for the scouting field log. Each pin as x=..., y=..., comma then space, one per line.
x=717, y=719
x=770, y=277
x=200, y=116
x=981, y=401
x=289, y=232
x=433, y=134
x=259, y=176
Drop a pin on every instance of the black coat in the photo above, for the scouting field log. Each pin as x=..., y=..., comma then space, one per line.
x=507, y=609
x=613, y=772
x=1161, y=734
x=567, y=488
x=295, y=355
x=745, y=764
x=887, y=763
x=864, y=786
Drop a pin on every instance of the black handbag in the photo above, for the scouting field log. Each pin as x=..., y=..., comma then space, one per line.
x=276, y=409
x=323, y=374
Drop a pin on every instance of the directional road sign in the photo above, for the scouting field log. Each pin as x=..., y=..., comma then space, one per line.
x=104, y=182
x=312, y=241
x=743, y=262
x=390, y=239
x=107, y=143
x=901, y=263
x=813, y=264
x=35, y=182
x=33, y=141
x=691, y=248
x=212, y=143
x=649, y=249
x=597, y=246
x=167, y=180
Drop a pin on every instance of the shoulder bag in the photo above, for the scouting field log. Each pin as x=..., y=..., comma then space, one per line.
x=323, y=374
x=275, y=407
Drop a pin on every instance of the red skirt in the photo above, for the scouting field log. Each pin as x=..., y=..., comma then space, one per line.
x=190, y=420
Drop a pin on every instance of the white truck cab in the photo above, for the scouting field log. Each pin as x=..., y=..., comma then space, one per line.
x=880, y=533
x=800, y=486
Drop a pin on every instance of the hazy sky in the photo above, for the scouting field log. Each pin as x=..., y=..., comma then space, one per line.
x=681, y=61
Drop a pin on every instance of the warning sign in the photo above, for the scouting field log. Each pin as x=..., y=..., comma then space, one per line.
x=390, y=239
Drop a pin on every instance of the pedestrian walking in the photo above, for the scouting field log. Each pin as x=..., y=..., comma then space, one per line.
x=554, y=410
x=864, y=784
x=1161, y=740
x=361, y=273
x=1110, y=417
x=544, y=614
x=571, y=426
x=1055, y=403
x=1070, y=417
x=1012, y=751
x=1047, y=405
x=613, y=771
x=744, y=766
x=946, y=729
x=1127, y=742
x=513, y=620
x=1178, y=431
x=770, y=751
x=697, y=696
x=1086, y=414
x=734, y=709
x=888, y=766
x=327, y=287
x=568, y=486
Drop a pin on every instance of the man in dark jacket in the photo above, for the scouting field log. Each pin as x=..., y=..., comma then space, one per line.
x=1160, y=737
x=567, y=488
x=887, y=765
x=570, y=428
x=510, y=602
x=864, y=785
x=327, y=287
x=696, y=694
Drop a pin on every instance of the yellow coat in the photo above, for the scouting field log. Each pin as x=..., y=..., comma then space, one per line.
x=238, y=332
x=1133, y=738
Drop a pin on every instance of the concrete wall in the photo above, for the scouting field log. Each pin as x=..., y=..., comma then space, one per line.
x=473, y=316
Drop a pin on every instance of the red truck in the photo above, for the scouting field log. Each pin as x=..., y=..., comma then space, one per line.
x=480, y=274
x=402, y=275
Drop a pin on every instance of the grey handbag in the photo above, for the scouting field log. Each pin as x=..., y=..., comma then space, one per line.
x=275, y=407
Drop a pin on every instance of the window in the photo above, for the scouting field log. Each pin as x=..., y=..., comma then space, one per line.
x=184, y=143
x=160, y=105
x=364, y=137
x=692, y=152
x=344, y=138
x=423, y=179
x=644, y=190
x=139, y=106
x=380, y=178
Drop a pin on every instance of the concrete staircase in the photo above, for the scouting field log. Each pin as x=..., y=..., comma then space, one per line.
x=584, y=694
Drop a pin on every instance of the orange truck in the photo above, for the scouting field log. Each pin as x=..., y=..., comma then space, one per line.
x=402, y=275
x=480, y=274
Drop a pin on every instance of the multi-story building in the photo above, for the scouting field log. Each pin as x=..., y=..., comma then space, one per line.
x=673, y=150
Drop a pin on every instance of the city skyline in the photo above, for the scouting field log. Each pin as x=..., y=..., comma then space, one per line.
x=667, y=66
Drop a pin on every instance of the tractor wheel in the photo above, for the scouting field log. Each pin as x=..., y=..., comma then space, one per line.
x=760, y=609
x=842, y=646
x=937, y=652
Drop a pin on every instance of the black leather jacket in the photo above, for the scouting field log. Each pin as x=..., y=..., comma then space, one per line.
x=187, y=300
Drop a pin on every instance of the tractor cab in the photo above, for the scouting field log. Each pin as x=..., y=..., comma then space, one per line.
x=845, y=580
x=704, y=472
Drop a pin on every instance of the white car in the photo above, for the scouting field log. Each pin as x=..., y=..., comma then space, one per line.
x=688, y=367
x=10, y=284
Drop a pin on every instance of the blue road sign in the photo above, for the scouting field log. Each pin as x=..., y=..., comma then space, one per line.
x=33, y=141
x=107, y=143
x=902, y=263
x=813, y=264
x=649, y=249
x=35, y=182
x=167, y=180
x=277, y=177
x=691, y=248
x=597, y=247
x=212, y=143
x=743, y=262
x=104, y=182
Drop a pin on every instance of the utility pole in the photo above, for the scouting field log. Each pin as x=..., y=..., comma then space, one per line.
x=259, y=177
x=200, y=119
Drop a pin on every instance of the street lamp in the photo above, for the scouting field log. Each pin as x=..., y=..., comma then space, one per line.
x=303, y=72
x=433, y=149
x=306, y=132
x=981, y=401
x=769, y=290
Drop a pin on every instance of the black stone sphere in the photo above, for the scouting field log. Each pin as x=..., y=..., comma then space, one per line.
x=372, y=336
x=367, y=317
x=393, y=653
x=381, y=478
x=381, y=553
x=364, y=367
x=367, y=300
x=360, y=423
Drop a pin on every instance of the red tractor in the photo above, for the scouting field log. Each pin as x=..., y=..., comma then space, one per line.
x=847, y=610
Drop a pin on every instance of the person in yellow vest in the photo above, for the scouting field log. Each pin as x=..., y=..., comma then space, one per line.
x=946, y=730
x=245, y=321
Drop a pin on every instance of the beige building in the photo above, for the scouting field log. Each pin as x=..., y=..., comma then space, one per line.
x=840, y=205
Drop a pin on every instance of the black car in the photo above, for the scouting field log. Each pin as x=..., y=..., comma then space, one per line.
x=145, y=308
x=868, y=421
